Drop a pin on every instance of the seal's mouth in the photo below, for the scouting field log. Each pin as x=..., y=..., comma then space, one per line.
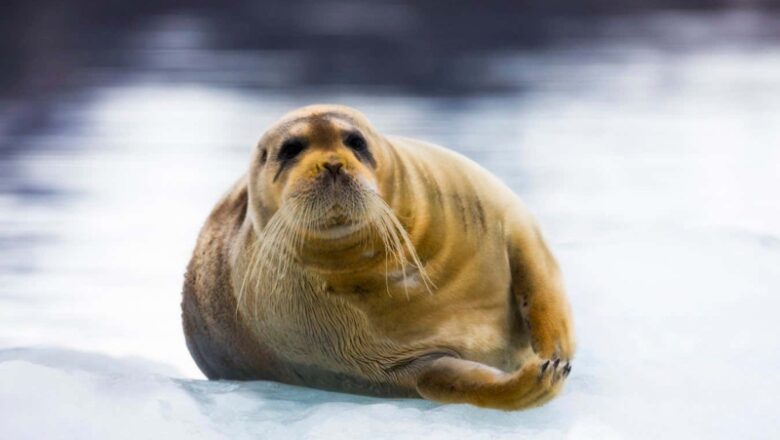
x=331, y=206
x=336, y=219
x=337, y=223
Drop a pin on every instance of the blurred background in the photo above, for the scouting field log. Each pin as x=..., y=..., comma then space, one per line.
x=644, y=134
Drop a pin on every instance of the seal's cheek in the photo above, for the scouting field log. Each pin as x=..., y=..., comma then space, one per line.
x=298, y=178
x=366, y=178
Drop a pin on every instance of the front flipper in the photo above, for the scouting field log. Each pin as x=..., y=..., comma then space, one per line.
x=452, y=380
x=538, y=289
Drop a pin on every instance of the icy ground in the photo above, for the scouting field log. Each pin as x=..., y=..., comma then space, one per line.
x=654, y=172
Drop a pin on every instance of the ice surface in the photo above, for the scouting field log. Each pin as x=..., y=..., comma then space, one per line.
x=684, y=350
x=654, y=173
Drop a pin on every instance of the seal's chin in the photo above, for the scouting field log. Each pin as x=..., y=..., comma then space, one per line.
x=338, y=231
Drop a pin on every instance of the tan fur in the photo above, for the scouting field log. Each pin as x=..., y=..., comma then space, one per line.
x=470, y=309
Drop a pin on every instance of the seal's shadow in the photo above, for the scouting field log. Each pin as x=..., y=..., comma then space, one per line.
x=260, y=401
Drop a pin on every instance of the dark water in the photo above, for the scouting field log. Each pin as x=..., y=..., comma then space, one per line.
x=648, y=146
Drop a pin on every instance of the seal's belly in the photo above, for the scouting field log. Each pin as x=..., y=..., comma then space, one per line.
x=334, y=331
x=469, y=308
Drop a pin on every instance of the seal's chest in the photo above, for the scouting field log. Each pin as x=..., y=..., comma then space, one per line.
x=313, y=323
x=402, y=282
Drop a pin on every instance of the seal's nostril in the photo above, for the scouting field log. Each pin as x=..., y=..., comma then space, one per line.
x=334, y=168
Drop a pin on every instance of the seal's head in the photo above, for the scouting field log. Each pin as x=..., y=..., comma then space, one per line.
x=316, y=205
x=318, y=163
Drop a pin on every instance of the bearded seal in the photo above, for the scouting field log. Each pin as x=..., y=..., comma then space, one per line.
x=351, y=261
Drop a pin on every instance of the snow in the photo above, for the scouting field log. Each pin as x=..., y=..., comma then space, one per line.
x=654, y=174
x=49, y=393
x=681, y=350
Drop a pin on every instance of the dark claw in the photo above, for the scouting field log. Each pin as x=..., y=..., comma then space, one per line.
x=544, y=366
x=567, y=370
x=557, y=361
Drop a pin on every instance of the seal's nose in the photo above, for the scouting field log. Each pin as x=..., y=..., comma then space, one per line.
x=333, y=167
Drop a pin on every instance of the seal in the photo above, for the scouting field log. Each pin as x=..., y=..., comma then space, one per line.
x=351, y=261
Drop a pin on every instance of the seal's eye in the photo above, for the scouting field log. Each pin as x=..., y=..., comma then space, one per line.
x=290, y=148
x=356, y=142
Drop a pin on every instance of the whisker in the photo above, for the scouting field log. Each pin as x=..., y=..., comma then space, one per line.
x=271, y=264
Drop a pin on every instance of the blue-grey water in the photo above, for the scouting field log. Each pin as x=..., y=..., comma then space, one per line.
x=649, y=149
